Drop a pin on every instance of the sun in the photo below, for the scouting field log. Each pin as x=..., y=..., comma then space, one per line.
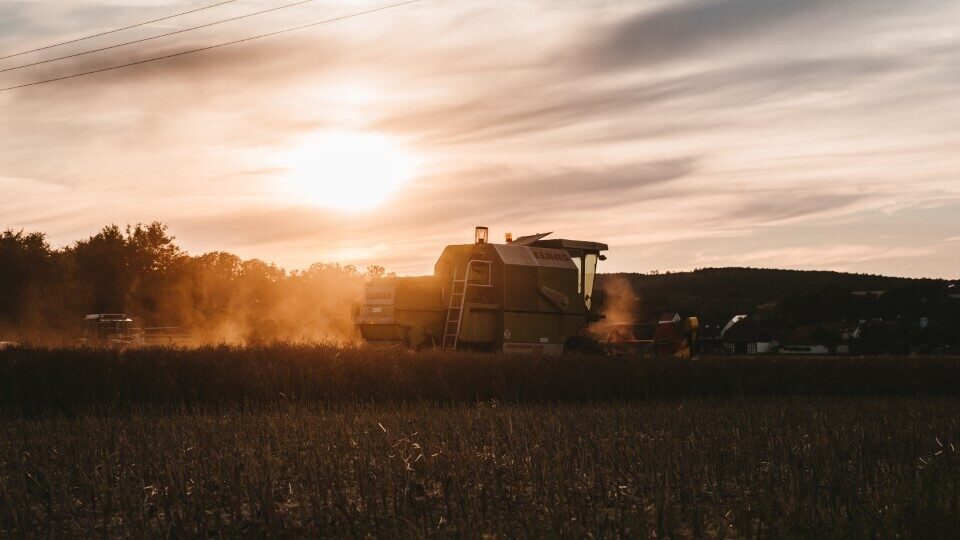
x=345, y=170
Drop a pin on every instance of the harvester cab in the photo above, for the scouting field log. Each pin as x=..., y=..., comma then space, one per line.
x=585, y=256
x=528, y=295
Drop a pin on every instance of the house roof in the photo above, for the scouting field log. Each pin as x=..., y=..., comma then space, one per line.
x=669, y=317
x=745, y=330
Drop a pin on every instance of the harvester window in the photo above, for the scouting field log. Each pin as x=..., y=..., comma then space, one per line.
x=480, y=273
x=579, y=263
x=589, y=273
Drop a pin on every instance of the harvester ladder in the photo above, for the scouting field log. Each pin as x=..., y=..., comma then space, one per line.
x=458, y=295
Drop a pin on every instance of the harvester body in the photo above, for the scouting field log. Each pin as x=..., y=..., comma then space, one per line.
x=110, y=330
x=120, y=330
x=529, y=295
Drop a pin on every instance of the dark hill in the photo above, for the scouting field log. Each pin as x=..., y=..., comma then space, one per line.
x=784, y=298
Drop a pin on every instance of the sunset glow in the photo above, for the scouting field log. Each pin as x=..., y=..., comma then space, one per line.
x=684, y=134
x=344, y=171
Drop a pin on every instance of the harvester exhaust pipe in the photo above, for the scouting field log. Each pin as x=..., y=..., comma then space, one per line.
x=481, y=235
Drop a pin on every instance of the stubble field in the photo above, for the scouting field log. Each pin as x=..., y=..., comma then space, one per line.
x=328, y=441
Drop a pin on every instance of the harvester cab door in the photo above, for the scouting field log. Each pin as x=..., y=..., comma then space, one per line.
x=586, y=274
x=589, y=276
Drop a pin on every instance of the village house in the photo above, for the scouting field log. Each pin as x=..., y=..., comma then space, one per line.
x=743, y=335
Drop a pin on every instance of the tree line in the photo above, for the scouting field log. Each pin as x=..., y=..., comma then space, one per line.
x=140, y=270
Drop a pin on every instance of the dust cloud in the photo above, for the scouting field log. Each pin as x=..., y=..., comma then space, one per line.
x=172, y=296
x=312, y=306
x=620, y=306
x=315, y=305
x=620, y=301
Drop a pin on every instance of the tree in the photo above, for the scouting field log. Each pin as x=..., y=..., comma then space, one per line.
x=375, y=271
x=25, y=272
x=103, y=268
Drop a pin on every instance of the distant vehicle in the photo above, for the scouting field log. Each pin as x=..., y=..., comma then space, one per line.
x=670, y=337
x=110, y=330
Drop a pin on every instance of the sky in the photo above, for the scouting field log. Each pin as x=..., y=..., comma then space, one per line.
x=804, y=134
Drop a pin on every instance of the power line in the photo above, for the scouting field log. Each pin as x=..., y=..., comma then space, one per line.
x=214, y=23
x=91, y=36
x=210, y=47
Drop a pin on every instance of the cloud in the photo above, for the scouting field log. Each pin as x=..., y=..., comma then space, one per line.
x=684, y=28
x=14, y=23
x=698, y=31
x=451, y=202
x=686, y=121
x=550, y=186
x=708, y=99
x=776, y=207
x=817, y=257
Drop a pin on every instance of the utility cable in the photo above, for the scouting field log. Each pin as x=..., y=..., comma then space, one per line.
x=210, y=47
x=91, y=36
x=207, y=25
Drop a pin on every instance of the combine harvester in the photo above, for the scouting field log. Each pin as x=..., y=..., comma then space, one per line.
x=110, y=330
x=530, y=295
x=118, y=330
